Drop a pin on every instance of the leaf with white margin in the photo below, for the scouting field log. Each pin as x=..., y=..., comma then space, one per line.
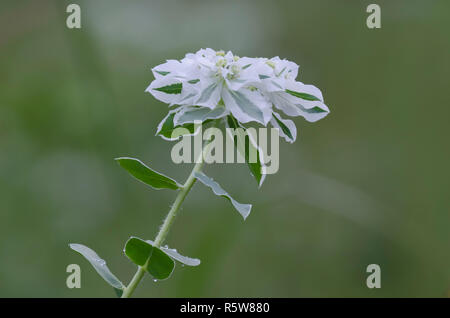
x=140, y=171
x=305, y=96
x=99, y=265
x=163, y=73
x=166, y=89
x=170, y=66
x=314, y=113
x=258, y=168
x=287, y=127
x=166, y=128
x=300, y=100
x=243, y=209
x=173, y=253
x=209, y=95
x=308, y=96
x=190, y=114
x=247, y=105
x=170, y=89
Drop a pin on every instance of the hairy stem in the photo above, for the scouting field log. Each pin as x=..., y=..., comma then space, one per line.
x=164, y=230
x=134, y=282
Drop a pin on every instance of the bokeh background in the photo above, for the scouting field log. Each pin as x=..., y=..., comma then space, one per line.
x=368, y=184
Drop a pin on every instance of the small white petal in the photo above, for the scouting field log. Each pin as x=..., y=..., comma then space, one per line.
x=284, y=68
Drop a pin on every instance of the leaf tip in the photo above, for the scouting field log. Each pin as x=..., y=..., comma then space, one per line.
x=261, y=181
x=247, y=212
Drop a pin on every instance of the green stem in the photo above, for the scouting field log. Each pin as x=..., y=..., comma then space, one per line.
x=134, y=282
x=164, y=230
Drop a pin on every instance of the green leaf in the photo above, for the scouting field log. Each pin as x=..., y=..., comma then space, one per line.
x=256, y=168
x=283, y=127
x=159, y=264
x=167, y=127
x=194, y=81
x=173, y=253
x=303, y=95
x=170, y=89
x=148, y=176
x=99, y=265
x=138, y=250
x=246, y=66
x=243, y=209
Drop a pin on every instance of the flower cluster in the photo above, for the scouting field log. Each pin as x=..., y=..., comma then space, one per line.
x=213, y=84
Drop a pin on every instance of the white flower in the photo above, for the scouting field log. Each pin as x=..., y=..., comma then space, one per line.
x=211, y=85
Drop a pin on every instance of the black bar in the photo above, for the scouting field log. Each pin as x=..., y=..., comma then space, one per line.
x=226, y=306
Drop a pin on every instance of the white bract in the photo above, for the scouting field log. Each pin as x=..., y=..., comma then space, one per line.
x=210, y=85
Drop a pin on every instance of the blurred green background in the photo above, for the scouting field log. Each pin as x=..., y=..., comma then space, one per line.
x=368, y=184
